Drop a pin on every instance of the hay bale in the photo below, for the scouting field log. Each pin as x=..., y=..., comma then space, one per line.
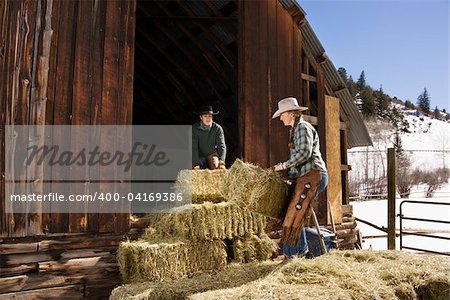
x=205, y=185
x=234, y=275
x=349, y=275
x=251, y=247
x=143, y=261
x=205, y=222
x=260, y=190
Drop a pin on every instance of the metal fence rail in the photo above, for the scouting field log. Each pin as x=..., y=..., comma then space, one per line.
x=402, y=217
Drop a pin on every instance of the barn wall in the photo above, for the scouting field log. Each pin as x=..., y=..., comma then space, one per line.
x=269, y=69
x=65, y=63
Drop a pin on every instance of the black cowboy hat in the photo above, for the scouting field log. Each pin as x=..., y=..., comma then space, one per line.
x=206, y=110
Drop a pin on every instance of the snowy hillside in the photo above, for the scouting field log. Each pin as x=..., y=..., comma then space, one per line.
x=426, y=142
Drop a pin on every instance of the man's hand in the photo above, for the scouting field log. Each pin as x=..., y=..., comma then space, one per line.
x=280, y=166
x=221, y=165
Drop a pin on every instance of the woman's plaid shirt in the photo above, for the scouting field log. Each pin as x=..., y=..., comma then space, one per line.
x=305, y=153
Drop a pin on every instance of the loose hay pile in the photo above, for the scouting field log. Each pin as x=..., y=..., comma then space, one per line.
x=350, y=275
x=234, y=275
x=336, y=275
x=142, y=261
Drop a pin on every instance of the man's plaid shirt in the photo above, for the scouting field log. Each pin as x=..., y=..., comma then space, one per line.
x=305, y=153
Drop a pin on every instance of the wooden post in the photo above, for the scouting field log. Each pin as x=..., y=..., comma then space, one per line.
x=391, y=198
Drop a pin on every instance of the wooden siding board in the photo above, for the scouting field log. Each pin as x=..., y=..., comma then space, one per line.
x=81, y=107
x=24, y=93
x=322, y=207
x=333, y=159
x=242, y=88
x=275, y=128
x=4, y=29
x=62, y=108
x=109, y=102
x=255, y=78
x=52, y=82
x=96, y=71
x=126, y=97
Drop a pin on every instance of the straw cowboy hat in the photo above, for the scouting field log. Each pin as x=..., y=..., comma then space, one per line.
x=206, y=110
x=287, y=104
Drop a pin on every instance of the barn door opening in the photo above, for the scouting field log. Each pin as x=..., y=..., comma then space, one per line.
x=186, y=56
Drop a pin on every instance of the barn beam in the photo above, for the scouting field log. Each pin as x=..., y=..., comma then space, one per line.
x=218, y=14
x=189, y=18
x=209, y=56
x=172, y=77
x=199, y=69
x=223, y=49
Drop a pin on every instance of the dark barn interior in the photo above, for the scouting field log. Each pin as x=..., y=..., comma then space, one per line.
x=186, y=55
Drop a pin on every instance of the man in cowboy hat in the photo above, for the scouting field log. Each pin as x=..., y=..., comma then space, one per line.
x=208, y=141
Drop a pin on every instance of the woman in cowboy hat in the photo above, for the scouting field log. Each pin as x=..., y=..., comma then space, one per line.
x=208, y=141
x=304, y=149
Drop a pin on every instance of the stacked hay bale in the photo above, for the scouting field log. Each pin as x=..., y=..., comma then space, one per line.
x=203, y=185
x=228, y=205
x=257, y=189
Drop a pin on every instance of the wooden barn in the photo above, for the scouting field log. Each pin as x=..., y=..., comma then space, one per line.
x=132, y=62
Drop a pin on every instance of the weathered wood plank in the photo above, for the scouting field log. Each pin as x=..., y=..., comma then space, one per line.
x=125, y=111
x=35, y=281
x=10, y=260
x=18, y=270
x=109, y=102
x=81, y=113
x=80, y=243
x=50, y=106
x=64, y=292
x=86, y=266
x=18, y=248
x=96, y=68
x=64, y=92
x=333, y=158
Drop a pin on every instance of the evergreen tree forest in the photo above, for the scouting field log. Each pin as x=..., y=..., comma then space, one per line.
x=375, y=103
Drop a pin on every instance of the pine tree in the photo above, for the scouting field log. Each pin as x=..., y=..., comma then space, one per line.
x=352, y=87
x=409, y=104
x=361, y=83
x=423, y=101
x=368, y=106
x=343, y=73
x=437, y=113
x=404, y=179
x=382, y=104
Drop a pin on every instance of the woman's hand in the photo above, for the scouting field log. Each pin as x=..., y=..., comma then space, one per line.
x=280, y=166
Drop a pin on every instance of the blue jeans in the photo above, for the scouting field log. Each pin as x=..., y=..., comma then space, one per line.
x=302, y=246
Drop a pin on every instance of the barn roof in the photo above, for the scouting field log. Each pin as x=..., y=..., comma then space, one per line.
x=358, y=134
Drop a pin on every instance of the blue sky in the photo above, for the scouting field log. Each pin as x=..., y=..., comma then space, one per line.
x=401, y=44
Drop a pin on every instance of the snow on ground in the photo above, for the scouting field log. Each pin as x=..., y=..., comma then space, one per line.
x=426, y=138
x=375, y=212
